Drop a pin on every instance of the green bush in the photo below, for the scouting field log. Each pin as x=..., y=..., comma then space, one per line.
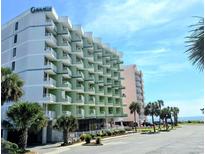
x=9, y=147
x=88, y=137
x=82, y=137
x=122, y=131
x=109, y=133
x=98, y=140
x=128, y=129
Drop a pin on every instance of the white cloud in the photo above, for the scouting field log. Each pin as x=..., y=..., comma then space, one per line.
x=133, y=15
x=188, y=107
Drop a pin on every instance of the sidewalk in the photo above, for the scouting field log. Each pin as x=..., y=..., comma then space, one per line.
x=56, y=148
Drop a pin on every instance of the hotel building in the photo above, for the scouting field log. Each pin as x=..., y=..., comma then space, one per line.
x=65, y=69
x=134, y=92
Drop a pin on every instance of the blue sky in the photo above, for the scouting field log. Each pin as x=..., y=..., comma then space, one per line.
x=149, y=33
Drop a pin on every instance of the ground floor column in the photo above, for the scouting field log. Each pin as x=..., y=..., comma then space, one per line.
x=5, y=134
x=44, y=135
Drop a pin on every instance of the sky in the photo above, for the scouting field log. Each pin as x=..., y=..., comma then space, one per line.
x=149, y=33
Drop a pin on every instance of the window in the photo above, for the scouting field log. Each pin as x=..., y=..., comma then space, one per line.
x=14, y=52
x=13, y=66
x=15, y=38
x=44, y=92
x=16, y=25
x=45, y=76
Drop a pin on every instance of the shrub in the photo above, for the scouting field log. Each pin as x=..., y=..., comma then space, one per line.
x=87, y=138
x=9, y=147
x=109, y=133
x=122, y=131
x=98, y=140
x=82, y=137
x=128, y=129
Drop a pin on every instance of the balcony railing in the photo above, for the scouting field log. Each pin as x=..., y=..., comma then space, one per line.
x=66, y=113
x=51, y=66
x=50, y=52
x=50, y=39
x=50, y=114
x=49, y=98
x=50, y=82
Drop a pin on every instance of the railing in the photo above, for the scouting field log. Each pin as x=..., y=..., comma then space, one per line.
x=50, y=114
x=50, y=81
x=52, y=66
x=50, y=51
x=66, y=113
x=51, y=37
x=50, y=98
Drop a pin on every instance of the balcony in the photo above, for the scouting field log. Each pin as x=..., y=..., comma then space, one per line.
x=91, y=100
x=65, y=46
x=68, y=113
x=92, y=113
x=50, y=39
x=101, y=113
x=50, y=68
x=68, y=99
x=65, y=58
x=91, y=89
x=100, y=91
x=50, y=53
x=66, y=70
x=78, y=51
x=80, y=100
x=50, y=114
x=66, y=84
x=79, y=87
x=78, y=64
x=50, y=98
x=50, y=83
x=50, y=25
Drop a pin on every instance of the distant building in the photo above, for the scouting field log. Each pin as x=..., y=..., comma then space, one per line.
x=134, y=91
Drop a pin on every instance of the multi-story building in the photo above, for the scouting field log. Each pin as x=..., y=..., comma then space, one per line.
x=65, y=69
x=134, y=92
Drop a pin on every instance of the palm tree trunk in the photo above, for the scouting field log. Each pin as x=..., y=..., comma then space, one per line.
x=153, y=123
x=166, y=124
x=159, y=123
x=65, y=136
x=23, y=138
x=172, y=122
x=135, y=121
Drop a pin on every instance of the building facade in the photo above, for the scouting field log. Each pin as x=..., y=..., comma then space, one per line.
x=134, y=92
x=65, y=69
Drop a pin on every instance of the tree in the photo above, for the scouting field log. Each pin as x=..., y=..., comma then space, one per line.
x=165, y=114
x=24, y=115
x=66, y=124
x=160, y=103
x=11, y=86
x=151, y=109
x=135, y=108
x=196, y=44
x=175, y=111
x=111, y=121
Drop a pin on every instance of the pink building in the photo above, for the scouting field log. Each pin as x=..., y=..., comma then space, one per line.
x=134, y=91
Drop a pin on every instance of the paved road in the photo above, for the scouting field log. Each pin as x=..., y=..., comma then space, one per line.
x=185, y=140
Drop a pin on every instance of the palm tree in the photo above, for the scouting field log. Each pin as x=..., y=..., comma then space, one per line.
x=135, y=108
x=11, y=86
x=175, y=111
x=151, y=109
x=160, y=103
x=171, y=114
x=165, y=114
x=67, y=124
x=24, y=115
x=196, y=44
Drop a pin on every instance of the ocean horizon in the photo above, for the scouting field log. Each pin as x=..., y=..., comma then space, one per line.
x=184, y=118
